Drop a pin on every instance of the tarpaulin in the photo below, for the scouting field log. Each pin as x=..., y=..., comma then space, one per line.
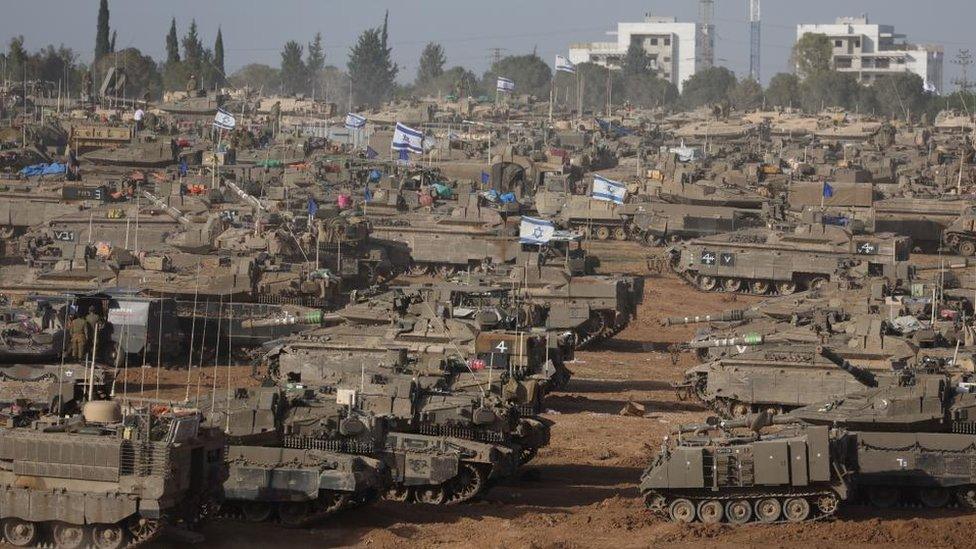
x=43, y=169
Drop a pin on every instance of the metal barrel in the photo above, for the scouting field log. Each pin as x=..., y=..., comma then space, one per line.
x=752, y=339
x=728, y=316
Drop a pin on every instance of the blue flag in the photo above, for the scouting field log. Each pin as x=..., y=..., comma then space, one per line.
x=485, y=178
x=828, y=191
x=404, y=155
x=367, y=194
x=313, y=206
x=371, y=153
x=183, y=167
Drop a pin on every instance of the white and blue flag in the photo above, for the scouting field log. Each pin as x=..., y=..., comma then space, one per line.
x=565, y=65
x=608, y=190
x=355, y=122
x=406, y=138
x=536, y=231
x=505, y=84
x=224, y=120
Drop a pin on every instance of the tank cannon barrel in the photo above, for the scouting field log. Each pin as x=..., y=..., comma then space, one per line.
x=313, y=318
x=754, y=422
x=171, y=211
x=734, y=315
x=751, y=339
x=243, y=195
x=860, y=374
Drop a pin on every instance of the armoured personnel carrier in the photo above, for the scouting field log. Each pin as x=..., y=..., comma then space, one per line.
x=760, y=260
x=910, y=441
x=145, y=154
x=777, y=379
x=106, y=479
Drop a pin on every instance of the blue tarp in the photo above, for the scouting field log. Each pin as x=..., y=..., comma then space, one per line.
x=43, y=169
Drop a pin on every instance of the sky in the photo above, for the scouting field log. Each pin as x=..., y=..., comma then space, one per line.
x=255, y=30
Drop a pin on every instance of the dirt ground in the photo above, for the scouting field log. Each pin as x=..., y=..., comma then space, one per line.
x=581, y=490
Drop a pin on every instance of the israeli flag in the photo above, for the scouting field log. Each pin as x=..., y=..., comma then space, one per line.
x=224, y=120
x=607, y=190
x=535, y=231
x=406, y=138
x=505, y=85
x=565, y=65
x=355, y=122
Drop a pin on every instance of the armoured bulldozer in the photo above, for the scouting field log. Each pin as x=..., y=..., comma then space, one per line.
x=912, y=441
x=758, y=261
x=105, y=479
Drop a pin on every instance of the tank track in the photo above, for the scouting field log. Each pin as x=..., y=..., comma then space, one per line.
x=746, y=289
x=471, y=481
x=135, y=531
x=294, y=514
x=608, y=332
x=821, y=505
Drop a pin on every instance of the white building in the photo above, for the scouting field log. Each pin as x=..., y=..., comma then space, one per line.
x=869, y=51
x=671, y=45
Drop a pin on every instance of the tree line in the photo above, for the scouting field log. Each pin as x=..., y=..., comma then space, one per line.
x=369, y=76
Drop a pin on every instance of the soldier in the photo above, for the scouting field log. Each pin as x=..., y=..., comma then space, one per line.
x=78, y=329
x=191, y=85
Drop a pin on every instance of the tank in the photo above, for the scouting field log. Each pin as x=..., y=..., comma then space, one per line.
x=759, y=261
x=960, y=235
x=658, y=222
x=198, y=103
x=149, y=154
x=273, y=478
x=910, y=442
x=113, y=484
x=39, y=389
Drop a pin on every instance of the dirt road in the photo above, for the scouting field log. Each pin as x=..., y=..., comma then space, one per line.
x=581, y=490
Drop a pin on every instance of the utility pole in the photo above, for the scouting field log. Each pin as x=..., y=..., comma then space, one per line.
x=754, y=39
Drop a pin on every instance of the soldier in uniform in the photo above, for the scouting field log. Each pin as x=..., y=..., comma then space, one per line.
x=78, y=329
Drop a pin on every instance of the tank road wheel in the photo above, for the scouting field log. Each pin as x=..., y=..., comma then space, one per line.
x=256, y=511
x=19, y=533
x=468, y=484
x=620, y=233
x=294, y=514
x=446, y=271
x=707, y=283
x=741, y=409
x=652, y=240
x=883, y=497
x=732, y=285
x=398, y=492
x=817, y=283
x=759, y=287
x=827, y=504
x=738, y=511
x=786, y=287
x=108, y=536
x=417, y=269
x=431, y=494
x=681, y=510
x=796, y=509
x=768, y=509
x=967, y=248
x=655, y=503
x=710, y=511
x=934, y=497
x=602, y=233
x=143, y=529
x=966, y=496
x=68, y=536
